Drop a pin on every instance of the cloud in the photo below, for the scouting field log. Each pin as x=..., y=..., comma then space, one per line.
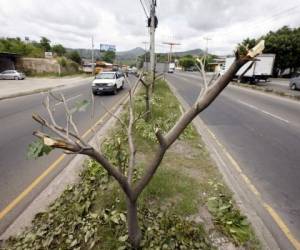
x=123, y=22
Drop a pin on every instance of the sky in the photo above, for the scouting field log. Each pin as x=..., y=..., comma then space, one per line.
x=123, y=22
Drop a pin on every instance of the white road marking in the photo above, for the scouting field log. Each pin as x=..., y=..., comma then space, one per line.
x=263, y=111
x=69, y=99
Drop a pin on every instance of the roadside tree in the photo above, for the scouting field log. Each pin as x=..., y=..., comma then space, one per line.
x=74, y=56
x=68, y=138
x=109, y=56
x=16, y=45
x=285, y=44
x=45, y=44
x=59, y=49
x=187, y=62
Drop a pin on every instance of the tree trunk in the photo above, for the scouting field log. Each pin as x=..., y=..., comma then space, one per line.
x=148, y=105
x=134, y=231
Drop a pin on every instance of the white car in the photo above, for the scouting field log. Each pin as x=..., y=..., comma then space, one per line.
x=12, y=75
x=108, y=82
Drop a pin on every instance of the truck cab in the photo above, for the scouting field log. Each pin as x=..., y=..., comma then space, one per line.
x=108, y=82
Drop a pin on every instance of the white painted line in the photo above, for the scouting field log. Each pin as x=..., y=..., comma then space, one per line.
x=263, y=111
x=69, y=99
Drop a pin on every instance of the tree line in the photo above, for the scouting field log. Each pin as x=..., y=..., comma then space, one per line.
x=36, y=49
x=285, y=43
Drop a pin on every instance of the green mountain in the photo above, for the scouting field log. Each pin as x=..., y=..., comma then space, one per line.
x=122, y=55
x=193, y=52
x=133, y=54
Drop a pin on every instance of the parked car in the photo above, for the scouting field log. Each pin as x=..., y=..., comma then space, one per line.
x=12, y=75
x=108, y=82
x=295, y=83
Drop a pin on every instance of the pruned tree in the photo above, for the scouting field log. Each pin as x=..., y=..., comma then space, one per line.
x=68, y=138
x=149, y=88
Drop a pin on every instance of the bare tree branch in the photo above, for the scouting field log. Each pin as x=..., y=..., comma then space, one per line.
x=141, y=115
x=132, y=149
x=93, y=106
x=145, y=83
x=70, y=116
x=115, y=116
x=52, y=127
x=135, y=84
x=202, y=72
x=56, y=126
x=161, y=139
x=73, y=147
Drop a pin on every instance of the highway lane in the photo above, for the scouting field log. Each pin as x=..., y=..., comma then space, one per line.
x=262, y=132
x=16, y=129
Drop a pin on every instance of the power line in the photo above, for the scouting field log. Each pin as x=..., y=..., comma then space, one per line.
x=287, y=10
x=251, y=26
x=144, y=9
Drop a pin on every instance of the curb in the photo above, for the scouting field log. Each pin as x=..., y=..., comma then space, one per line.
x=36, y=91
x=244, y=197
x=273, y=92
x=25, y=93
x=68, y=176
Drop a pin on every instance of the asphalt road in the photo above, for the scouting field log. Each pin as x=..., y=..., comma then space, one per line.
x=17, y=173
x=279, y=84
x=262, y=132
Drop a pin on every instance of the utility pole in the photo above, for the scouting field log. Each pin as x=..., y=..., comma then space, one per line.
x=171, y=44
x=146, y=50
x=206, y=50
x=206, y=39
x=152, y=23
x=93, y=64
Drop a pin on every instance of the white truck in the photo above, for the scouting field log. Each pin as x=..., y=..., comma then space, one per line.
x=260, y=69
x=171, y=68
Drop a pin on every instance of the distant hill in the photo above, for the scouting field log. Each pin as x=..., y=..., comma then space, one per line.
x=122, y=55
x=132, y=54
x=193, y=52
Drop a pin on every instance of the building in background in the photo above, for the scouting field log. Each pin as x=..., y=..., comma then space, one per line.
x=8, y=61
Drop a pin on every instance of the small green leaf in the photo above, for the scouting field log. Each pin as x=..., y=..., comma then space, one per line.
x=123, y=238
x=80, y=106
x=114, y=219
x=37, y=149
x=123, y=217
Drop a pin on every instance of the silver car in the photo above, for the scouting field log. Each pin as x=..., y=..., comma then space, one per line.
x=295, y=83
x=12, y=75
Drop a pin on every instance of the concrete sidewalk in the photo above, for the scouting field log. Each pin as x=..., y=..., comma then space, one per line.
x=16, y=88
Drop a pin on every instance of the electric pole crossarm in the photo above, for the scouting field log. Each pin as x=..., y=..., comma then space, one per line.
x=171, y=44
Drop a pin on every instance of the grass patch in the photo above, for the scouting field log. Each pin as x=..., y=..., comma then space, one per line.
x=92, y=214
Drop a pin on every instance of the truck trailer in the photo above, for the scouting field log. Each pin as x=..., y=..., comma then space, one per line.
x=171, y=68
x=253, y=71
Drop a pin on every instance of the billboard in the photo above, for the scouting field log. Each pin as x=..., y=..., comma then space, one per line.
x=48, y=54
x=107, y=47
